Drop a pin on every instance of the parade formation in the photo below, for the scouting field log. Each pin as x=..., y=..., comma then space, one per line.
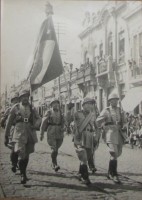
x=89, y=122
x=23, y=121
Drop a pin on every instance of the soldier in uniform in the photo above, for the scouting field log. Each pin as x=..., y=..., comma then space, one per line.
x=85, y=138
x=13, y=155
x=26, y=120
x=53, y=122
x=14, y=100
x=112, y=121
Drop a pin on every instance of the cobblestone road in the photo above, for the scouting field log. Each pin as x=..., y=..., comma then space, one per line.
x=44, y=183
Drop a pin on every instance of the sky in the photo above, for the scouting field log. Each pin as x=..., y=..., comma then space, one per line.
x=20, y=23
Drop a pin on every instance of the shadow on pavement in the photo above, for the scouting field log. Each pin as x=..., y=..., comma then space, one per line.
x=118, y=187
x=57, y=174
x=98, y=174
x=130, y=174
x=92, y=187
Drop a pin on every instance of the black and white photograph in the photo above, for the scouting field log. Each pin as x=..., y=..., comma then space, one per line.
x=71, y=100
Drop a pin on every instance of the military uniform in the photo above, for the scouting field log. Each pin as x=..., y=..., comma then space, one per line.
x=13, y=155
x=4, y=117
x=53, y=122
x=26, y=120
x=86, y=137
x=112, y=121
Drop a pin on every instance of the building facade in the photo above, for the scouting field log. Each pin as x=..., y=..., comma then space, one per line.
x=111, y=41
x=111, y=51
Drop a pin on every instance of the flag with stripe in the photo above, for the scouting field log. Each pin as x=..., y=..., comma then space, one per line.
x=46, y=60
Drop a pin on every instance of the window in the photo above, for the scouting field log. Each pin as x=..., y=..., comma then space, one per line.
x=135, y=50
x=140, y=49
x=101, y=50
x=121, y=47
x=94, y=58
x=110, y=45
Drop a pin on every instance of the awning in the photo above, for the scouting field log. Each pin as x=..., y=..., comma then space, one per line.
x=132, y=99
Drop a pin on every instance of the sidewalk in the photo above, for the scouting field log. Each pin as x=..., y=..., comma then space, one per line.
x=44, y=183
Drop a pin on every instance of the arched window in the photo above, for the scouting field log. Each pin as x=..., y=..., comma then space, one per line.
x=110, y=45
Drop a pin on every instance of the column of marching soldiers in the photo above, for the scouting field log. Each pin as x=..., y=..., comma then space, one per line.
x=22, y=120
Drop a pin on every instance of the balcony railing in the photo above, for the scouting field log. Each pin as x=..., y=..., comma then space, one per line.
x=104, y=66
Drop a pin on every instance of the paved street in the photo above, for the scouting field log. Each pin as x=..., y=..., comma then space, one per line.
x=44, y=183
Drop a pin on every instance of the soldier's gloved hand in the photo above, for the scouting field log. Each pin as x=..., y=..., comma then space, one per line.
x=41, y=137
x=6, y=141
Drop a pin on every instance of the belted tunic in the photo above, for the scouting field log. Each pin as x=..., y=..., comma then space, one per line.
x=87, y=137
x=53, y=122
x=113, y=121
x=26, y=120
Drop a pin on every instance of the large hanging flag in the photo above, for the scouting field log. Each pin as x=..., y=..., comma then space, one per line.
x=46, y=61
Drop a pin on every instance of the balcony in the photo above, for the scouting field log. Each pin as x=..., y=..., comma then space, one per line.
x=104, y=66
x=105, y=74
x=135, y=75
x=86, y=73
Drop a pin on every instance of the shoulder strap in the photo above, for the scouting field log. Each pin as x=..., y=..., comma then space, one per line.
x=85, y=122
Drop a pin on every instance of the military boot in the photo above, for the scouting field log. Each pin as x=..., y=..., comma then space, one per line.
x=112, y=172
x=115, y=176
x=84, y=174
x=26, y=163
x=54, y=161
x=14, y=160
x=79, y=173
x=22, y=167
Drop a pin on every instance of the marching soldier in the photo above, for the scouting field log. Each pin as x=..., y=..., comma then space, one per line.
x=26, y=120
x=13, y=155
x=112, y=121
x=86, y=138
x=14, y=100
x=53, y=122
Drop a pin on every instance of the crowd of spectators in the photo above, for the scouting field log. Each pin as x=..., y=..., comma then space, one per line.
x=134, y=130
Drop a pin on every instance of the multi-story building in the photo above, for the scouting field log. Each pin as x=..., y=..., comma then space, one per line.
x=111, y=50
x=111, y=45
x=112, y=42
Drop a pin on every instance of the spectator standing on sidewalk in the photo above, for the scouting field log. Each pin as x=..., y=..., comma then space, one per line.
x=53, y=123
x=69, y=118
x=140, y=119
x=140, y=137
x=112, y=119
x=135, y=136
x=131, y=138
x=26, y=120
